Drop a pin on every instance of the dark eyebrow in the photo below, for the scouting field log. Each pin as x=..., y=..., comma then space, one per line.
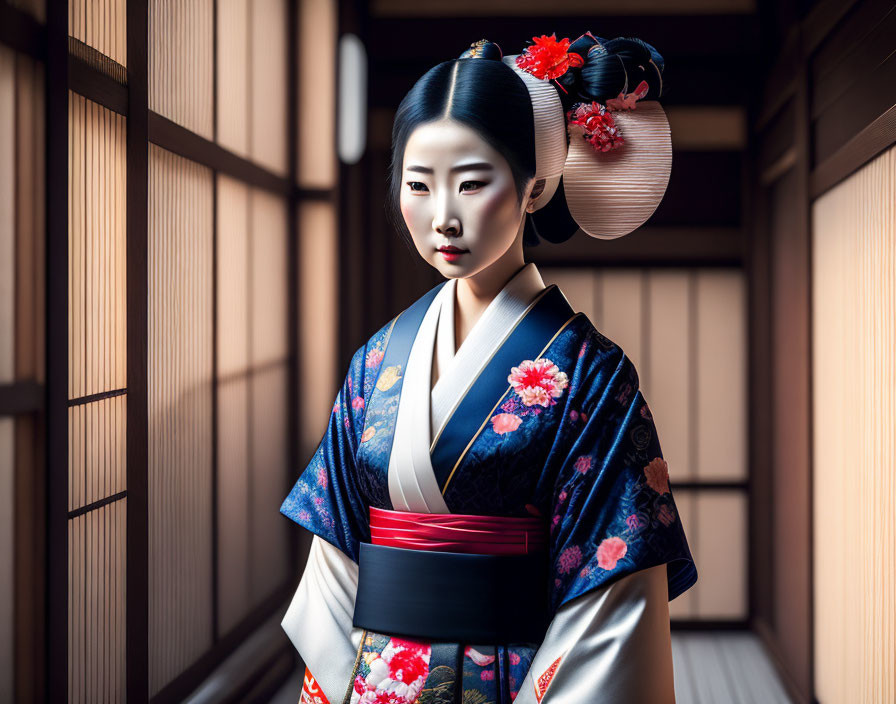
x=477, y=166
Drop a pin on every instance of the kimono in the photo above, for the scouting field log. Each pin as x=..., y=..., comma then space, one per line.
x=537, y=414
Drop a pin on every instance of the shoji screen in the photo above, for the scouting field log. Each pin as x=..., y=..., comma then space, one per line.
x=99, y=24
x=22, y=367
x=684, y=329
x=252, y=82
x=854, y=448
x=181, y=62
x=317, y=94
x=253, y=355
x=97, y=405
x=318, y=250
x=180, y=414
x=319, y=312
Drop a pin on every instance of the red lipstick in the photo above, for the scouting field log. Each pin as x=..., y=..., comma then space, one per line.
x=451, y=253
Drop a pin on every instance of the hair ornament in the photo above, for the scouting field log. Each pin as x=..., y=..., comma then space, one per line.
x=601, y=130
x=483, y=49
x=609, y=190
x=549, y=59
x=605, y=150
x=627, y=101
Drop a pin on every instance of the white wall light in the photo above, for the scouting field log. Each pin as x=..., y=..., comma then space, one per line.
x=352, y=112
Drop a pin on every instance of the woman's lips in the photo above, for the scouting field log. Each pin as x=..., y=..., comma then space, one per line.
x=451, y=253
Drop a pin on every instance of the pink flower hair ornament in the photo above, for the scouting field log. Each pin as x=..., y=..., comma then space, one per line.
x=601, y=129
x=549, y=59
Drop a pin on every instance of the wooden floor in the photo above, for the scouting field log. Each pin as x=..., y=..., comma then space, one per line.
x=716, y=667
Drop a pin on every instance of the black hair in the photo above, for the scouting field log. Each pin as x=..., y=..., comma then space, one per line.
x=480, y=91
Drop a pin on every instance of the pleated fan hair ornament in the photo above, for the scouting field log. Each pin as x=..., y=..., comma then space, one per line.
x=602, y=141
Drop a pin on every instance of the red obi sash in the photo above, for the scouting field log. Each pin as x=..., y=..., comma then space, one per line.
x=458, y=532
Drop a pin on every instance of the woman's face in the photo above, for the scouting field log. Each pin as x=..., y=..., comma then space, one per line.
x=458, y=192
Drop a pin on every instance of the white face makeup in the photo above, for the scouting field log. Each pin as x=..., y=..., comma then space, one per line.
x=457, y=191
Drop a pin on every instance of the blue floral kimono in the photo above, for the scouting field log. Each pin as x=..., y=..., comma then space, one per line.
x=539, y=415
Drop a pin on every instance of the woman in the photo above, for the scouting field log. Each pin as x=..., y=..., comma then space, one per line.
x=492, y=513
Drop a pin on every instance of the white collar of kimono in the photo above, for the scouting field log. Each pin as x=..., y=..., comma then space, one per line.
x=422, y=414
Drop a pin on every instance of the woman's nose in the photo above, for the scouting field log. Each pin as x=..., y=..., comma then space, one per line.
x=444, y=222
x=449, y=228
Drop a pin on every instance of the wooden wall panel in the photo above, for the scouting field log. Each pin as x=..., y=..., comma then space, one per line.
x=667, y=372
x=7, y=559
x=97, y=235
x=180, y=414
x=97, y=450
x=97, y=644
x=101, y=25
x=789, y=405
x=268, y=89
x=316, y=47
x=233, y=69
x=7, y=214
x=854, y=407
x=720, y=384
x=181, y=62
x=319, y=377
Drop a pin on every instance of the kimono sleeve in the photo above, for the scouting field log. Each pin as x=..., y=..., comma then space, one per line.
x=614, y=513
x=612, y=644
x=326, y=499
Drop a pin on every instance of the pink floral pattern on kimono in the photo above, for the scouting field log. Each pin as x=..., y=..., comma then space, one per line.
x=538, y=382
x=395, y=675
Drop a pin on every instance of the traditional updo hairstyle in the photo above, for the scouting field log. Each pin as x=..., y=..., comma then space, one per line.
x=488, y=92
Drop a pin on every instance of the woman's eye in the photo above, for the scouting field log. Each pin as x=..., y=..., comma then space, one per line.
x=414, y=184
x=473, y=185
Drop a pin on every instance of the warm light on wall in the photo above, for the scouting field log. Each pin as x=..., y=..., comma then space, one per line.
x=854, y=448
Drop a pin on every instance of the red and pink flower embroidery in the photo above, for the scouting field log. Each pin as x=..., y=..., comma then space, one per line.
x=374, y=357
x=538, y=382
x=569, y=559
x=396, y=675
x=505, y=423
x=583, y=464
x=610, y=551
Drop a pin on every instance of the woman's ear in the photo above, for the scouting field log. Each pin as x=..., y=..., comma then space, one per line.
x=537, y=190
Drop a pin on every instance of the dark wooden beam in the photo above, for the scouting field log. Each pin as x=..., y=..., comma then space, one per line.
x=21, y=397
x=56, y=120
x=137, y=572
x=21, y=32
x=859, y=150
x=419, y=40
x=647, y=246
x=97, y=86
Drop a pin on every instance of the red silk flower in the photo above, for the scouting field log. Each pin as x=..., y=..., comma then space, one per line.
x=600, y=128
x=548, y=58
